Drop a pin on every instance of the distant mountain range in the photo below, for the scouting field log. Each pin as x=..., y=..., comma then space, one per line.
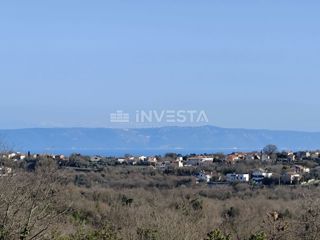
x=107, y=141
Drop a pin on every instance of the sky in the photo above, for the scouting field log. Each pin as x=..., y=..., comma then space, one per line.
x=247, y=64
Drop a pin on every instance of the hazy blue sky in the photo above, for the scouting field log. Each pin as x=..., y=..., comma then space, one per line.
x=251, y=64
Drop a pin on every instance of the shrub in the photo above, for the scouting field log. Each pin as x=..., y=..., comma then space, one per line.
x=147, y=234
x=217, y=235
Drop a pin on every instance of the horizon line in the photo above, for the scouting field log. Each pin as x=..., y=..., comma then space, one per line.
x=159, y=127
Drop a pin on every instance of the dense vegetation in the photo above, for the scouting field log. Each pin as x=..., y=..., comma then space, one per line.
x=125, y=202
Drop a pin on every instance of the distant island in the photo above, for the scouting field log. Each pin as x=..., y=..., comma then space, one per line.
x=151, y=141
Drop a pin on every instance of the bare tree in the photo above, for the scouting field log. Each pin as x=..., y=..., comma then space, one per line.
x=29, y=204
x=308, y=223
x=270, y=149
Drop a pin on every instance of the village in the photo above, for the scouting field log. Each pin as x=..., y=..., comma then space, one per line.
x=267, y=167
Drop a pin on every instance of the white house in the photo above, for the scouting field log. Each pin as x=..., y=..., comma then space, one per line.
x=121, y=160
x=12, y=155
x=142, y=158
x=252, y=156
x=234, y=177
x=179, y=161
x=4, y=171
x=199, y=160
x=131, y=161
x=202, y=177
x=290, y=177
x=58, y=157
x=259, y=175
x=302, y=155
x=163, y=165
x=301, y=169
x=152, y=160
x=291, y=157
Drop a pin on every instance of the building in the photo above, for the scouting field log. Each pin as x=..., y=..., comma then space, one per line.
x=286, y=157
x=315, y=155
x=59, y=157
x=121, y=160
x=152, y=161
x=142, y=158
x=199, y=160
x=163, y=166
x=252, y=156
x=131, y=161
x=265, y=157
x=303, y=155
x=179, y=162
x=290, y=177
x=4, y=171
x=301, y=169
x=203, y=177
x=12, y=155
x=234, y=177
x=259, y=175
x=234, y=157
x=291, y=157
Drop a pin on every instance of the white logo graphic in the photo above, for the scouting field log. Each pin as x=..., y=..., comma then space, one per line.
x=164, y=116
x=119, y=117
